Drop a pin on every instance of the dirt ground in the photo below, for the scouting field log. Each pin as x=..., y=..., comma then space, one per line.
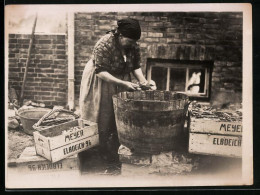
x=17, y=142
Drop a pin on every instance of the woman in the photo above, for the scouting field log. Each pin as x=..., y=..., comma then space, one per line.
x=115, y=55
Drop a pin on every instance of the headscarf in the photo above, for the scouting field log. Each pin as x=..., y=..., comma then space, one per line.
x=129, y=28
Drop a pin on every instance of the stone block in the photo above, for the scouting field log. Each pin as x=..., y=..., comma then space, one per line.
x=126, y=156
x=174, y=163
x=13, y=123
x=30, y=162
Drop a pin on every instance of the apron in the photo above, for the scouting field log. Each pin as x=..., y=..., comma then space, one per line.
x=96, y=105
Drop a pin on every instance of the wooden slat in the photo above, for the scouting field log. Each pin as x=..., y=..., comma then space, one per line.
x=41, y=140
x=46, y=153
x=215, y=127
x=219, y=145
x=149, y=74
x=187, y=79
x=68, y=150
x=84, y=144
x=168, y=79
x=205, y=81
x=71, y=79
x=68, y=138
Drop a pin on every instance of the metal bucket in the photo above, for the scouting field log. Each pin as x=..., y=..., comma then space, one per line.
x=150, y=121
x=30, y=116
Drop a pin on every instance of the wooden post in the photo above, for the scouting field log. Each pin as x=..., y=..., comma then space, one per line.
x=28, y=61
x=149, y=73
x=71, y=79
x=168, y=79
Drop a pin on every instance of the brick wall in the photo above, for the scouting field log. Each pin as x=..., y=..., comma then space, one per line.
x=211, y=36
x=47, y=73
x=180, y=36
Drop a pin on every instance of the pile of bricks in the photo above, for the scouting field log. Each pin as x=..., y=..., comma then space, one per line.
x=165, y=163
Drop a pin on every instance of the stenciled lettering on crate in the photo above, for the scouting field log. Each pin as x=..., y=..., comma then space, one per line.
x=216, y=127
x=217, y=138
x=219, y=145
x=55, y=144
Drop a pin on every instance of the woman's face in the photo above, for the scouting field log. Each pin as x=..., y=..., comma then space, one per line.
x=127, y=42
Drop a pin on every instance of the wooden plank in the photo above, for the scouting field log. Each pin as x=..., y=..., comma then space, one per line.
x=71, y=137
x=187, y=79
x=30, y=162
x=168, y=79
x=70, y=149
x=42, y=151
x=219, y=145
x=41, y=140
x=71, y=79
x=149, y=74
x=215, y=127
x=28, y=61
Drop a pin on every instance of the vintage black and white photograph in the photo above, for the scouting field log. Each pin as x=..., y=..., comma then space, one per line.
x=134, y=95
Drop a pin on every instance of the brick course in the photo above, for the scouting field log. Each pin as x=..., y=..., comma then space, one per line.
x=209, y=36
x=43, y=73
x=203, y=36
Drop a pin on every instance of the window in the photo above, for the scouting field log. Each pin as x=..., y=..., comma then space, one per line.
x=191, y=77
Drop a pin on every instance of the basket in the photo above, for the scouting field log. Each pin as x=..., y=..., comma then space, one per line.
x=55, y=117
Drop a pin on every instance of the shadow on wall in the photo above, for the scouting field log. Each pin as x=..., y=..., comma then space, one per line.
x=221, y=99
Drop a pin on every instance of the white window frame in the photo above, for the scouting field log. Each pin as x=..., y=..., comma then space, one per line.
x=170, y=66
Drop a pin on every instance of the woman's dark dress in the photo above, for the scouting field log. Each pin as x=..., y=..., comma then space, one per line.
x=96, y=94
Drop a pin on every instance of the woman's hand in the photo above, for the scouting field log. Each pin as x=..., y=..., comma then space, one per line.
x=130, y=86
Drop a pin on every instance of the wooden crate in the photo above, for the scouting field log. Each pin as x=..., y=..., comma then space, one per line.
x=30, y=162
x=55, y=144
x=211, y=137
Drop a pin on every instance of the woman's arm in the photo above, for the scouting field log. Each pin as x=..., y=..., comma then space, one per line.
x=111, y=79
x=139, y=75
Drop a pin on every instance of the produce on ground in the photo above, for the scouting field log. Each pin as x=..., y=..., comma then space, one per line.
x=207, y=112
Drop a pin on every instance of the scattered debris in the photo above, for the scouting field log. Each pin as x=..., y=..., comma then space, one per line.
x=34, y=104
x=174, y=163
x=12, y=99
x=71, y=130
x=208, y=112
x=13, y=123
x=13, y=120
x=58, y=107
